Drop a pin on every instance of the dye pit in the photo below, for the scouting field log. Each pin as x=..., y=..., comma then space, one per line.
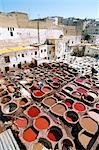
x=49, y=107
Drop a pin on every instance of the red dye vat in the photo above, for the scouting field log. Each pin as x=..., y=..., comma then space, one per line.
x=29, y=135
x=79, y=106
x=33, y=111
x=21, y=122
x=97, y=106
x=79, y=80
x=55, y=78
x=38, y=93
x=46, y=90
x=68, y=104
x=76, y=93
x=82, y=90
x=51, y=136
x=42, y=123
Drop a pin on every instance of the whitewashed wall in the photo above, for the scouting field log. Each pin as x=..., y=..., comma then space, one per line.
x=27, y=36
x=29, y=55
x=91, y=51
x=30, y=36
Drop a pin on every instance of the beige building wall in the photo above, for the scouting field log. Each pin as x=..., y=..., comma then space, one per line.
x=21, y=18
x=47, y=24
x=8, y=20
x=71, y=30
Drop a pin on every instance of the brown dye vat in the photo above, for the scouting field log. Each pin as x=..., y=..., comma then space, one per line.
x=55, y=134
x=23, y=102
x=58, y=109
x=3, y=93
x=5, y=99
x=49, y=102
x=30, y=134
x=11, y=88
x=84, y=139
x=38, y=146
x=88, y=124
x=1, y=89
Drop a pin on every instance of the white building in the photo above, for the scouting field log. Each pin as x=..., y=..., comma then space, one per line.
x=92, y=51
x=15, y=57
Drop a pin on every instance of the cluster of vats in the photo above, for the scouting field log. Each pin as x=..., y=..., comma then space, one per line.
x=50, y=107
x=83, y=64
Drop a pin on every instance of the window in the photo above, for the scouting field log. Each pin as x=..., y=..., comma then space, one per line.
x=18, y=55
x=7, y=59
x=8, y=28
x=25, y=62
x=44, y=50
x=58, y=57
x=41, y=50
x=31, y=53
x=26, y=53
x=35, y=52
x=48, y=58
x=11, y=33
x=66, y=31
x=14, y=65
x=49, y=52
x=22, y=55
x=72, y=42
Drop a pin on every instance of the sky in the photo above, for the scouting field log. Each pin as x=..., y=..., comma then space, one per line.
x=44, y=8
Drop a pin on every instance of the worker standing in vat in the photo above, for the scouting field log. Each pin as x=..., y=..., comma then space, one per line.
x=93, y=70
